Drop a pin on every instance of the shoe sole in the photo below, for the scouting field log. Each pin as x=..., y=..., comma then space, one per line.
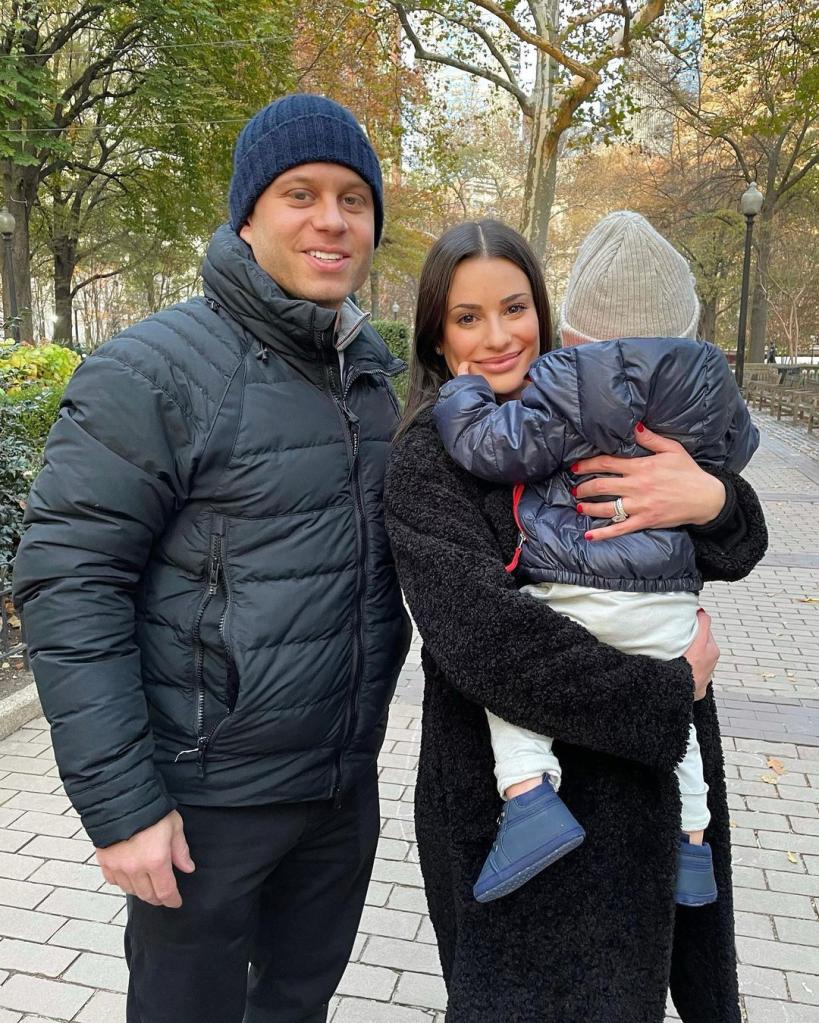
x=539, y=860
x=696, y=900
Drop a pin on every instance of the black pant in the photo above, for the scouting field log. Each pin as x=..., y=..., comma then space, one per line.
x=280, y=887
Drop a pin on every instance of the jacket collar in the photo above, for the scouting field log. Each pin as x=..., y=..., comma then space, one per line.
x=294, y=328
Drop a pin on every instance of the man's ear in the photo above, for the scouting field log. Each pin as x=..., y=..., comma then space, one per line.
x=246, y=233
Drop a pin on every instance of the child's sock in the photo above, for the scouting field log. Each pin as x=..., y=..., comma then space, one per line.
x=523, y=786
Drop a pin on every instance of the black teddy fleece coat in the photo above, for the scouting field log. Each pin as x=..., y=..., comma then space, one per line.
x=590, y=939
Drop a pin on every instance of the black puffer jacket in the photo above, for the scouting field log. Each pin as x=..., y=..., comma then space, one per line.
x=597, y=937
x=207, y=589
x=587, y=401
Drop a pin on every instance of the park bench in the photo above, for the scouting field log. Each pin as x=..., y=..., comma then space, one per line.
x=786, y=390
x=760, y=382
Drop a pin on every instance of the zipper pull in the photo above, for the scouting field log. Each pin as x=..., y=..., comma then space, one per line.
x=203, y=748
x=513, y=564
x=213, y=575
x=337, y=797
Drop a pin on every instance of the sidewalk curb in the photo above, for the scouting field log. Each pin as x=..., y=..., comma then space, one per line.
x=18, y=709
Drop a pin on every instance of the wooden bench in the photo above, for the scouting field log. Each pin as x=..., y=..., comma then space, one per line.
x=786, y=390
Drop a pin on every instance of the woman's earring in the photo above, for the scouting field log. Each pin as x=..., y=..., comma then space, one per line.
x=438, y=350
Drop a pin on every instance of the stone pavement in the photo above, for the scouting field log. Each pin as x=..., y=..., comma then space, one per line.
x=61, y=926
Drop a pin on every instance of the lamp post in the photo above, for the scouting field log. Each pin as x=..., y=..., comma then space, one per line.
x=7, y=225
x=395, y=310
x=750, y=204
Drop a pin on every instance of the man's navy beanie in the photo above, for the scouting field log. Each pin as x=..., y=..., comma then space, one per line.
x=299, y=129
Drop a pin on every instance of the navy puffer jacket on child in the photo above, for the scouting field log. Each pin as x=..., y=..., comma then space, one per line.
x=585, y=401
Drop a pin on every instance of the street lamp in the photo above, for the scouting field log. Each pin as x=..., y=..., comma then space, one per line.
x=7, y=225
x=395, y=310
x=750, y=204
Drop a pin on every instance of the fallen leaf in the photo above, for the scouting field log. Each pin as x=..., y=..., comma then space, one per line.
x=5, y=664
x=770, y=779
x=792, y=857
x=776, y=765
x=769, y=674
x=809, y=600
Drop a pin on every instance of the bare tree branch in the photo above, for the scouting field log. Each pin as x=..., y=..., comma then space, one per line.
x=577, y=68
x=95, y=277
x=472, y=69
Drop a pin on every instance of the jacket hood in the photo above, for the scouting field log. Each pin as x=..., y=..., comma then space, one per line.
x=292, y=327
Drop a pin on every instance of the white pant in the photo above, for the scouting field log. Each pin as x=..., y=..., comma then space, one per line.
x=661, y=625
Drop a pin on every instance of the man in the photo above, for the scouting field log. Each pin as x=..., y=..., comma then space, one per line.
x=209, y=599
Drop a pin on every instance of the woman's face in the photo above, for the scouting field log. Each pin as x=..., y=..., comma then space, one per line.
x=491, y=324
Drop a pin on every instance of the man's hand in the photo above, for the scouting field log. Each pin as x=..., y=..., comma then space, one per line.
x=143, y=864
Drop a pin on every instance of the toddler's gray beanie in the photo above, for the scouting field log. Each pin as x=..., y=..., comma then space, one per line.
x=628, y=281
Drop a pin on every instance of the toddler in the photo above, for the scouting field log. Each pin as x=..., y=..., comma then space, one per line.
x=636, y=592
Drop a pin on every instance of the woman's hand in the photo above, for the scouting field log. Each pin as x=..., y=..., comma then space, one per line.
x=661, y=492
x=702, y=655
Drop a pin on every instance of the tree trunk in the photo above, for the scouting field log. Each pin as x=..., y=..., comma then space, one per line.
x=759, y=301
x=708, y=320
x=541, y=169
x=375, y=303
x=65, y=262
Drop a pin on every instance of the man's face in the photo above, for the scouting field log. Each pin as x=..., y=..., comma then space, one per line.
x=312, y=230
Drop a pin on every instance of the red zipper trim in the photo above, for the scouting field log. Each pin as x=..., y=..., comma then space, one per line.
x=517, y=493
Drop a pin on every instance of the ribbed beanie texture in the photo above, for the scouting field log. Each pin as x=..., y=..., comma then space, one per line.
x=628, y=281
x=297, y=129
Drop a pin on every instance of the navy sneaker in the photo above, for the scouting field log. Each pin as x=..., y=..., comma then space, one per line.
x=534, y=830
x=696, y=884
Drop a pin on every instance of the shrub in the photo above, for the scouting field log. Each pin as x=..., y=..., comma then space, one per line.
x=397, y=338
x=32, y=381
x=46, y=365
x=19, y=461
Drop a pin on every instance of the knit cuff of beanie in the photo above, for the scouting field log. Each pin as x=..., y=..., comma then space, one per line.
x=571, y=336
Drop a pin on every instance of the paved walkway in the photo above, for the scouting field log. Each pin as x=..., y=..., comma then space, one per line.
x=61, y=927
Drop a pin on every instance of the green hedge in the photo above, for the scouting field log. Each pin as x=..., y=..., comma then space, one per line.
x=32, y=381
x=398, y=340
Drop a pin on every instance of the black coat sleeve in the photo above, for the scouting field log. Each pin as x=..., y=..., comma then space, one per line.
x=509, y=652
x=114, y=473
x=733, y=544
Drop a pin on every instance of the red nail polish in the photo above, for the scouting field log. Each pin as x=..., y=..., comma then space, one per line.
x=640, y=428
x=575, y=467
x=580, y=509
x=588, y=536
x=574, y=491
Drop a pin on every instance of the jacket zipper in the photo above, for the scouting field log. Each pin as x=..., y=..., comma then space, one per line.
x=215, y=574
x=351, y=437
x=517, y=493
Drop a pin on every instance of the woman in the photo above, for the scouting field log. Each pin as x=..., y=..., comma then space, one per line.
x=590, y=940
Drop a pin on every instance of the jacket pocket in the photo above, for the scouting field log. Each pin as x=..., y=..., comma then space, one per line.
x=216, y=680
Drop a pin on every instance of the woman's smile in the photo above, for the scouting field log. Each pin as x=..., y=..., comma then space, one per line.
x=500, y=363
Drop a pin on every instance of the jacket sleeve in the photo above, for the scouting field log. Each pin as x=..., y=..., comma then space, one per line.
x=505, y=650
x=743, y=437
x=515, y=442
x=114, y=474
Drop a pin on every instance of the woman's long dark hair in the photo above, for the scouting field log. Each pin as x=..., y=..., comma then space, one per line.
x=488, y=239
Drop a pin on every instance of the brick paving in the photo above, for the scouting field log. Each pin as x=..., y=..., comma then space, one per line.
x=61, y=925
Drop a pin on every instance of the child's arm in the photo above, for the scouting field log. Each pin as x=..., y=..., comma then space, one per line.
x=517, y=441
x=743, y=437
